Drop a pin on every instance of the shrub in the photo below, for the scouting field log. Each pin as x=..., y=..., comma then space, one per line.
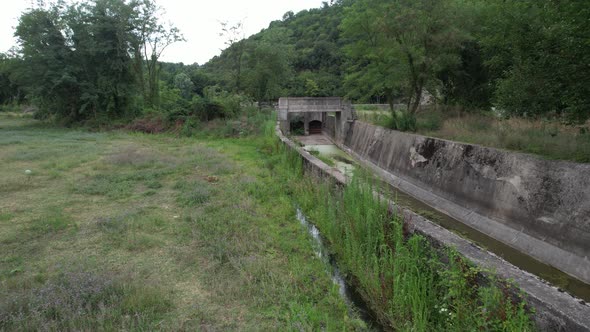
x=403, y=121
x=151, y=124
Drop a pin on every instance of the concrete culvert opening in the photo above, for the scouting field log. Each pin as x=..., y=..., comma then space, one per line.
x=315, y=127
x=297, y=127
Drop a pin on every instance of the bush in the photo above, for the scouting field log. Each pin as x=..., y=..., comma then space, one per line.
x=151, y=124
x=403, y=121
x=231, y=103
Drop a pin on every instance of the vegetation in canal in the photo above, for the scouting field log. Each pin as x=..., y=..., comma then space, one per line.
x=406, y=282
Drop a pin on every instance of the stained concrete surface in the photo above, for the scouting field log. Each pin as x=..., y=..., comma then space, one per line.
x=539, y=207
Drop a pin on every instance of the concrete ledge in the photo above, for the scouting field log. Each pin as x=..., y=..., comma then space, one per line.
x=555, y=310
x=312, y=163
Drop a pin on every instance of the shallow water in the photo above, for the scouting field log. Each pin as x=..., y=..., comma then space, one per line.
x=350, y=296
x=342, y=161
x=347, y=165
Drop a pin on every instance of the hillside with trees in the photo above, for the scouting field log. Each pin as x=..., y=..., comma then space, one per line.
x=528, y=58
x=98, y=61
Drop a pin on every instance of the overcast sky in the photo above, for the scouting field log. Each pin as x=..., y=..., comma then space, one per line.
x=198, y=20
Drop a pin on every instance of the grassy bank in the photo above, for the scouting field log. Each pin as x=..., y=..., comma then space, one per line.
x=548, y=139
x=406, y=282
x=120, y=230
x=128, y=231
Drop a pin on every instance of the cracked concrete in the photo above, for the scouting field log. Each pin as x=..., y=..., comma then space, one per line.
x=537, y=206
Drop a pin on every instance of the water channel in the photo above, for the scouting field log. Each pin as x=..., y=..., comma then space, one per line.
x=353, y=300
x=347, y=165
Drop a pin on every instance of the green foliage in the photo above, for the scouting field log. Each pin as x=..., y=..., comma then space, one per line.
x=268, y=66
x=75, y=60
x=283, y=58
x=525, y=57
x=403, y=121
x=10, y=91
x=537, y=53
x=406, y=282
x=83, y=61
x=399, y=46
x=183, y=83
x=96, y=61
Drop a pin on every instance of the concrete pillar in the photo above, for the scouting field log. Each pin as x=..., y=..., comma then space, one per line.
x=338, y=127
x=306, y=123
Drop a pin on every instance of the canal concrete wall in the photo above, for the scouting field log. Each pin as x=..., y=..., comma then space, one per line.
x=554, y=309
x=537, y=206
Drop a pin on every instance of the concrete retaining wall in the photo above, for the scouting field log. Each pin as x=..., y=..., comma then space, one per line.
x=554, y=310
x=537, y=206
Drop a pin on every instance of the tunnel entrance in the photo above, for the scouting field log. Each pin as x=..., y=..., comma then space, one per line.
x=297, y=127
x=315, y=127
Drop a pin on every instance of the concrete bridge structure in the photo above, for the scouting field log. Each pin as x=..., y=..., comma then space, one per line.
x=331, y=114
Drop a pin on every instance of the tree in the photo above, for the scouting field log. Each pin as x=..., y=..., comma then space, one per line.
x=268, y=66
x=401, y=45
x=10, y=90
x=75, y=59
x=151, y=38
x=234, y=40
x=183, y=83
x=537, y=53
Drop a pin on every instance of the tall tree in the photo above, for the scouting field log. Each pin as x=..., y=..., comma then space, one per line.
x=268, y=66
x=402, y=44
x=236, y=45
x=10, y=90
x=152, y=37
x=538, y=54
x=76, y=59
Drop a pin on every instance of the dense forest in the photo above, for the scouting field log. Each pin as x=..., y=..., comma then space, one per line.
x=99, y=60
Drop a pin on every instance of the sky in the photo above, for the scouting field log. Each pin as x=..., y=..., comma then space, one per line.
x=199, y=22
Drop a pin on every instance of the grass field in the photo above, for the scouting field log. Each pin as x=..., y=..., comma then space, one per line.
x=124, y=231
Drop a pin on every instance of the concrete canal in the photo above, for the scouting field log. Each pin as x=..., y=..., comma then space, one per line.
x=323, y=147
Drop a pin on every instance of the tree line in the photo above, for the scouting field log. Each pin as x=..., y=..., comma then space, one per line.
x=99, y=59
x=87, y=60
x=524, y=58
